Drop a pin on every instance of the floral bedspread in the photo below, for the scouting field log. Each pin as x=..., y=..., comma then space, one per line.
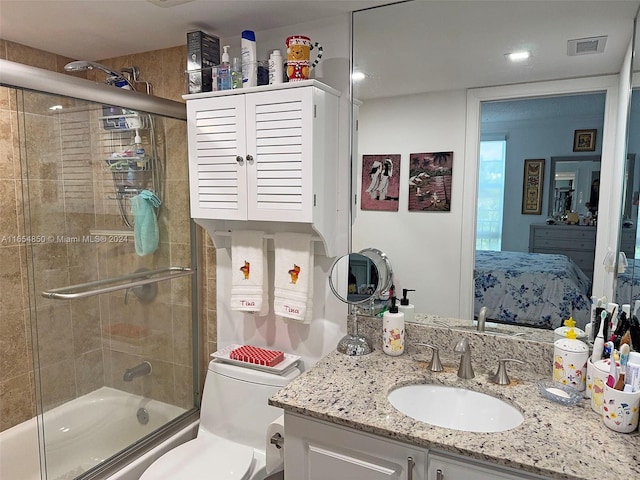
x=531, y=289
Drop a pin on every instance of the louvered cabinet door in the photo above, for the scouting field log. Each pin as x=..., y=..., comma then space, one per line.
x=217, y=158
x=279, y=127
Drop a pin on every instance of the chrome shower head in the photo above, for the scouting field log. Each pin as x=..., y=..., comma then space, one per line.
x=112, y=75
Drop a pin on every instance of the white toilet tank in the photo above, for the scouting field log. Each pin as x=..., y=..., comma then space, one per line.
x=235, y=402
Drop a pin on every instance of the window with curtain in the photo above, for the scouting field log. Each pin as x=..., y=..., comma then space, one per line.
x=490, y=194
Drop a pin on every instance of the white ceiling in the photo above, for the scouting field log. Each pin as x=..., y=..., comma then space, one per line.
x=424, y=45
x=448, y=45
x=100, y=29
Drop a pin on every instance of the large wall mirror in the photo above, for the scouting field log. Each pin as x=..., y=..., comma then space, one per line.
x=438, y=97
x=628, y=281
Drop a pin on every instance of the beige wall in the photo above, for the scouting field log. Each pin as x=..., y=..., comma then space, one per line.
x=71, y=335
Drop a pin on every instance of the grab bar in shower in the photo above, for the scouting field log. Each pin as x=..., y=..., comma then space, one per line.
x=124, y=282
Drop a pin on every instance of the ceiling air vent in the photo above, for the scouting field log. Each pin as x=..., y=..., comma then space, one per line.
x=586, y=46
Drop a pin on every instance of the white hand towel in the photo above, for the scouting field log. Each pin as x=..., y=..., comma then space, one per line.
x=293, y=278
x=248, y=272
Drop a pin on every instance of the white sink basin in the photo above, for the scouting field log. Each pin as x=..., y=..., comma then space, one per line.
x=456, y=408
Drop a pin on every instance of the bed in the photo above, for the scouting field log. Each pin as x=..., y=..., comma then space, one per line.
x=531, y=289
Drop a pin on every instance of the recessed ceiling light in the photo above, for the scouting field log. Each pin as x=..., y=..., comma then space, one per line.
x=357, y=76
x=518, y=56
x=56, y=107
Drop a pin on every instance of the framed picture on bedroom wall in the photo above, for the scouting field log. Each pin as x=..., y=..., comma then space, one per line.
x=380, y=182
x=532, y=186
x=584, y=140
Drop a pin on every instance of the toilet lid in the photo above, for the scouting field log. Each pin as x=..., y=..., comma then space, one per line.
x=215, y=458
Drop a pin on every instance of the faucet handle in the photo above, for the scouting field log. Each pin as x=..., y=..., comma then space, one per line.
x=501, y=377
x=435, y=365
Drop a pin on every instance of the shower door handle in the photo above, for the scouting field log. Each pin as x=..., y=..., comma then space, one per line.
x=124, y=282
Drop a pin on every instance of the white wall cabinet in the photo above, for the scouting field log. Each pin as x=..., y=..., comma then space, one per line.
x=262, y=155
x=316, y=450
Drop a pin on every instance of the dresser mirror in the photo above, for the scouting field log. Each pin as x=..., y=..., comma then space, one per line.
x=574, y=186
x=416, y=100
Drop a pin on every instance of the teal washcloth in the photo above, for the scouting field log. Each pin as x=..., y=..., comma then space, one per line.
x=145, y=227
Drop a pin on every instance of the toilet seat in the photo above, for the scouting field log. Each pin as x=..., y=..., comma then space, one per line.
x=203, y=459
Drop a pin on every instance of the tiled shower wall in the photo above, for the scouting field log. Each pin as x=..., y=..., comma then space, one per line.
x=74, y=330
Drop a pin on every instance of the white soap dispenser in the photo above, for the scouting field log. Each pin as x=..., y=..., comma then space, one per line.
x=405, y=307
x=393, y=330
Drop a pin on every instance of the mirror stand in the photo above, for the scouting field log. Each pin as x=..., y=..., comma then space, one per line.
x=354, y=344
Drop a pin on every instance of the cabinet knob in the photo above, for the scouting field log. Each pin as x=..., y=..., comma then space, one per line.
x=439, y=475
x=249, y=158
x=239, y=159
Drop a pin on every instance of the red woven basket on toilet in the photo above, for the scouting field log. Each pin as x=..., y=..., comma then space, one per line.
x=258, y=356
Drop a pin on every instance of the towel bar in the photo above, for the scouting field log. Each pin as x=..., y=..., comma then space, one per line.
x=90, y=289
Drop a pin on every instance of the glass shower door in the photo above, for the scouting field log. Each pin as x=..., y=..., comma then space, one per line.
x=109, y=249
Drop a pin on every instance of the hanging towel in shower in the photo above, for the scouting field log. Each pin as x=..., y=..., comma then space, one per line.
x=293, y=278
x=145, y=223
x=249, y=272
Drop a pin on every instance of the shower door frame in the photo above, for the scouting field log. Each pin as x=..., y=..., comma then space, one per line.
x=24, y=77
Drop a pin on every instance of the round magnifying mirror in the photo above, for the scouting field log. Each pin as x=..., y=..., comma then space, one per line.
x=354, y=278
x=383, y=267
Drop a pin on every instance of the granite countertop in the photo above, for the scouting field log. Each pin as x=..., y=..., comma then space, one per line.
x=553, y=441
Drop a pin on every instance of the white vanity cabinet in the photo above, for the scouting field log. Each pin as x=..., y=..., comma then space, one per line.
x=316, y=450
x=264, y=154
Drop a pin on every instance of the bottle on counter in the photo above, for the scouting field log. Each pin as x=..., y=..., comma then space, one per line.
x=405, y=307
x=393, y=330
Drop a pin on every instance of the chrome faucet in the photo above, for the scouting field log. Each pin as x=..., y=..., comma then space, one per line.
x=138, y=371
x=465, y=370
x=482, y=317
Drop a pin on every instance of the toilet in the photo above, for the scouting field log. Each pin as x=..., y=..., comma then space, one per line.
x=231, y=439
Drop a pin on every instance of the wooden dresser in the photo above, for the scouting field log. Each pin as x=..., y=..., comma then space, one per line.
x=577, y=242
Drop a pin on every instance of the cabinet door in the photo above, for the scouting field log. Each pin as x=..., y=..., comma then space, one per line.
x=217, y=157
x=280, y=139
x=445, y=467
x=319, y=451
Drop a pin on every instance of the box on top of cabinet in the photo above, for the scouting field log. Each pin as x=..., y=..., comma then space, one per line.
x=203, y=52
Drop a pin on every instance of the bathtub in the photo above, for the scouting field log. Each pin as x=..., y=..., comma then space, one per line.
x=84, y=432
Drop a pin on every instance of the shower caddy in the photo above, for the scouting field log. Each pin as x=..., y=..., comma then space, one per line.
x=129, y=147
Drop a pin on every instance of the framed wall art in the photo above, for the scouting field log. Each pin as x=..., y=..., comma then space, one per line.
x=532, y=186
x=584, y=140
x=380, y=182
x=430, y=182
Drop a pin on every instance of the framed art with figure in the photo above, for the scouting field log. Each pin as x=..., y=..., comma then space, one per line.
x=584, y=140
x=430, y=180
x=380, y=182
x=532, y=187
